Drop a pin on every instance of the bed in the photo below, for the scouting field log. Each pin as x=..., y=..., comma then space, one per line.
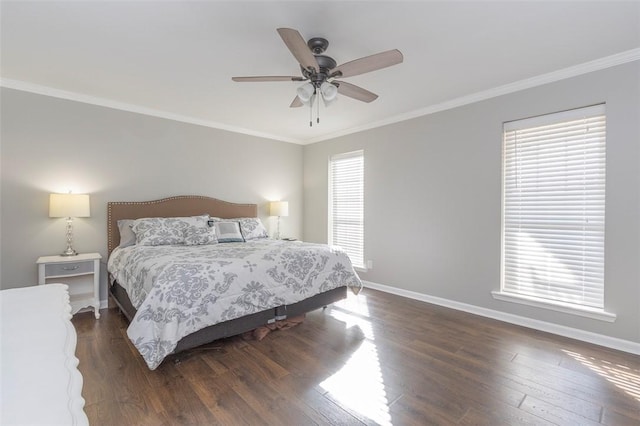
x=256, y=282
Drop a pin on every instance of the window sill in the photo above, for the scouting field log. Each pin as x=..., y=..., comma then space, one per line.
x=555, y=306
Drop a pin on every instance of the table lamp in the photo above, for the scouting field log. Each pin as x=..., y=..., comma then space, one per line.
x=279, y=208
x=69, y=206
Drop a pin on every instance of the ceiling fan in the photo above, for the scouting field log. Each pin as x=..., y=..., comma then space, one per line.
x=321, y=71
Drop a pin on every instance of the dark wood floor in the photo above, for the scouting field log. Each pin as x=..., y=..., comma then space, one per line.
x=372, y=359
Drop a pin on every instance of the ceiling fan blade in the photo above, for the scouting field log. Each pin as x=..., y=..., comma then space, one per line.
x=296, y=103
x=267, y=78
x=298, y=48
x=355, y=92
x=368, y=63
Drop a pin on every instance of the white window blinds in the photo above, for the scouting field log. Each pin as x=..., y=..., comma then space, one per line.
x=553, y=204
x=346, y=204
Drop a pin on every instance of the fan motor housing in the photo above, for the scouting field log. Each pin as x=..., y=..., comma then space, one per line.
x=326, y=64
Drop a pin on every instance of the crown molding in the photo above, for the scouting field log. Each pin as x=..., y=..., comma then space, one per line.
x=123, y=106
x=573, y=71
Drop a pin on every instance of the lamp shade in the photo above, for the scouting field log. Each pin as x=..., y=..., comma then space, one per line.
x=69, y=205
x=279, y=208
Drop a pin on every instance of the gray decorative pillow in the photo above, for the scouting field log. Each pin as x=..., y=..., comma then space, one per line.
x=127, y=237
x=228, y=232
x=252, y=228
x=160, y=231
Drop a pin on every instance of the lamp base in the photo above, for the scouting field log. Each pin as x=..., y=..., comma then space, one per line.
x=277, y=235
x=69, y=252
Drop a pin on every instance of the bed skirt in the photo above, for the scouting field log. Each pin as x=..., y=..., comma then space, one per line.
x=238, y=325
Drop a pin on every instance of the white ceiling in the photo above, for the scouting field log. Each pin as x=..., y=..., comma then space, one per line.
x=176, y=59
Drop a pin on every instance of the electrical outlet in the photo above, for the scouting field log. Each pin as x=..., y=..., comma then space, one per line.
x=369, y=264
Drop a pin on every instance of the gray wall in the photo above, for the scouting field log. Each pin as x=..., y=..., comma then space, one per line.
x=53, y=145
x=433, y=197
x=432, y=186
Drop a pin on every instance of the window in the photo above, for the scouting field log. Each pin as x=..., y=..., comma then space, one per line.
x=553, y=208
x=346, y=204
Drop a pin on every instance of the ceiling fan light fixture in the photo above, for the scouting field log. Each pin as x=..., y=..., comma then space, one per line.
x=328, y=102
x=305, y=92
x=329, y=92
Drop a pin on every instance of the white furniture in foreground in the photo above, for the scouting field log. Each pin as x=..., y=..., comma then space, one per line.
x=39, y=380
x=81, y=273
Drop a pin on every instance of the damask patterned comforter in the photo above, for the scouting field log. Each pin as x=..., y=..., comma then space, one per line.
x=179, y=290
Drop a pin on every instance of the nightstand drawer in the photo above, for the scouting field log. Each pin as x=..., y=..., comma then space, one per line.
x=70, y=268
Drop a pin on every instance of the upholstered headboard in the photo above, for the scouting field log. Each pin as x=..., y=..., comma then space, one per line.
x=184, y=205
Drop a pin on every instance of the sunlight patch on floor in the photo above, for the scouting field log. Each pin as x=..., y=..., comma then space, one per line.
x=350, y=320
x=623, y=377
x=359, y=385
x=356, y=304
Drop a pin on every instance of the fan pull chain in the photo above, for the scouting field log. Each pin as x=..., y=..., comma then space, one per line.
x=311, y=114
x=318, y=109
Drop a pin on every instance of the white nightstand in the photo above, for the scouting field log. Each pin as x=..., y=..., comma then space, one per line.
x=81, y=273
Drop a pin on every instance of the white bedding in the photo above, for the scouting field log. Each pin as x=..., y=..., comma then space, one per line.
x=41, y=384
x=179, y=290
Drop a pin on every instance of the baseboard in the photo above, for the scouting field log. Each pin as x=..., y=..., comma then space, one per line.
x=561, y=330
